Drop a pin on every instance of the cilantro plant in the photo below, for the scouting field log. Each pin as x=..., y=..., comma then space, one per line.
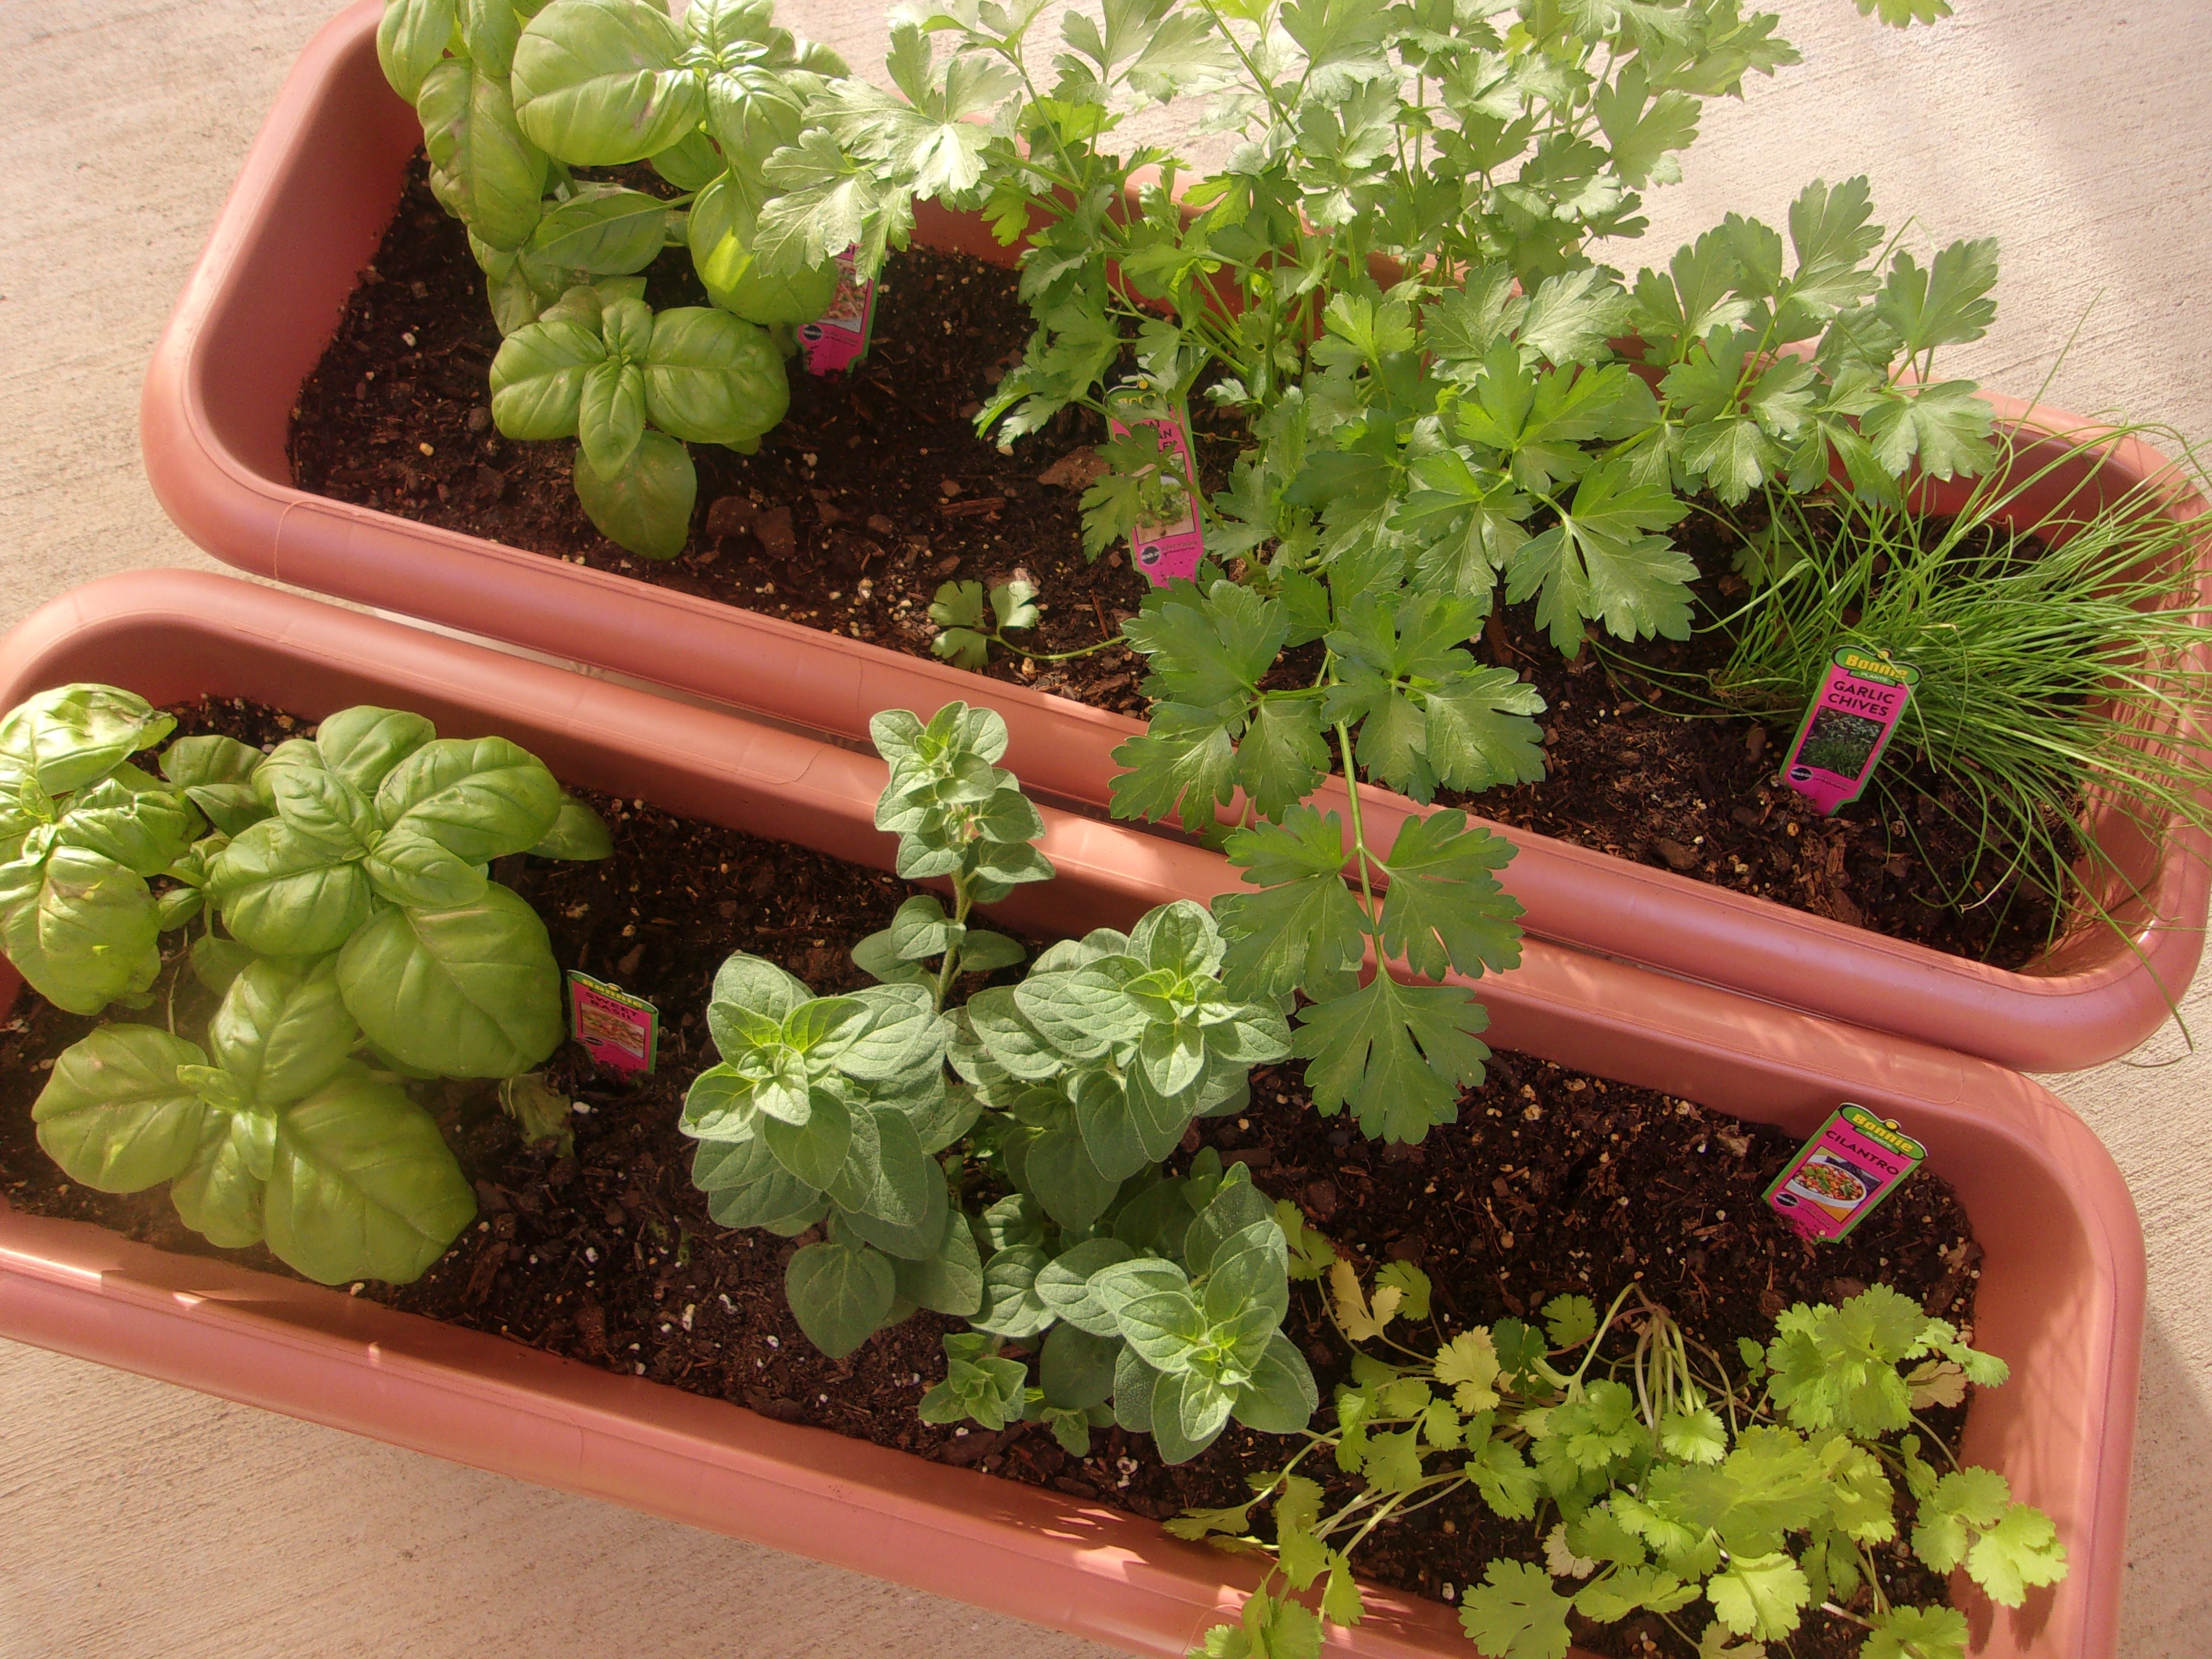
x=1160, y=1296
x=1762, y=1488
x=511, y=99
x=362, y=943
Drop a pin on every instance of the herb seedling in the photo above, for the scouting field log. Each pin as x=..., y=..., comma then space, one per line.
x=1764, y=1488
x=1163, y=1296
x=511, y=99
x=363, y=943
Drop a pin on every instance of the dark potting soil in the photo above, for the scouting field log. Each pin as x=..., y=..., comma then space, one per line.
x=876, y=490
x=1550, y=1182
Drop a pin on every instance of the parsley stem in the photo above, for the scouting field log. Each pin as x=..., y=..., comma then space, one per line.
x=1359, y=833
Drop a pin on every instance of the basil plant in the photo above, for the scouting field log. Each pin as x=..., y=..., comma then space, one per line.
x=510, y=102
x=361, y=941
x=81, y=829
x=600, y=365
x=276, y=1133
x=371, y=841
x=1075, y=1085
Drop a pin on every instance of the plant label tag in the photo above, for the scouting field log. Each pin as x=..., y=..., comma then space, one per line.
x=1853, y=1161
x=618, y=1029
x=839, y=337
x=1847, y=725
x=1164, y=551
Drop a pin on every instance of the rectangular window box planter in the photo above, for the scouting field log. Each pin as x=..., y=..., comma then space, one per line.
x=2061, y=1296
x=308, y=209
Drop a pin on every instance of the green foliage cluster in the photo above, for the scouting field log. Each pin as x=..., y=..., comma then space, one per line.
x=512, y=100
x=1071, y=1087
x=362, y=942
x=1762, y=1488
x=2050, y=671
x=1389, y=280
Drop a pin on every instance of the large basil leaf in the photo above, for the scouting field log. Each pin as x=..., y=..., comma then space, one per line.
x=216, y=775
x=80, y=928
x=691, y=163
x=282, y=1032
x=490, y=29
x=469, y=992
x=647, y=506
x=363, y=1186
x=283, y=893
x=363, y=742
x=113, y=1115
x=719, y=229
x=411, y=869
x=610, y=415
x=712, y=378
x=604, y=231
x=753, y=111
x=411, y=39
x=64, y=739
x=323, y=806
x=598, y=82
x=494, y=177
x=144, y=825
x=578, y=833
x=537, y=378
x=514, y=303
x=220, y=1196
x=839, y=1295
x=480, y=799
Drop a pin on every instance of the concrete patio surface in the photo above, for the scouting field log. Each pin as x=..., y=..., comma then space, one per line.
x=137, y=1519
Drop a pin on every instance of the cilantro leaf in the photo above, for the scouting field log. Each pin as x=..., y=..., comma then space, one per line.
x=1514, y=1614
x=1759, y=1595
x=1918, y=1633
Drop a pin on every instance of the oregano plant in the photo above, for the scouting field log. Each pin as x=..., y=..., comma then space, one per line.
x=333, y=895
x=1732, y=1499
x=1155, y=1302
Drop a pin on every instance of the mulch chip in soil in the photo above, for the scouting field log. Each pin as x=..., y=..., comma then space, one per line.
x=1550, y=1182
x=876, y=490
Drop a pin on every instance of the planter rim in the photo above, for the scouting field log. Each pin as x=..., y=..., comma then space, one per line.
x=308, y=210
x=2062, y=1291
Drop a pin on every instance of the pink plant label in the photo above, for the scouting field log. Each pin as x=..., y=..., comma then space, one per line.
x=1847, y=727
x=1166, y=551
x=839, y=337
x=618, y=1031
x=1853, y=1161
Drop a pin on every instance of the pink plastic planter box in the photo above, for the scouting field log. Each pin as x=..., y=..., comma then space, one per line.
x=308, y=211
x=2061, y=1287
